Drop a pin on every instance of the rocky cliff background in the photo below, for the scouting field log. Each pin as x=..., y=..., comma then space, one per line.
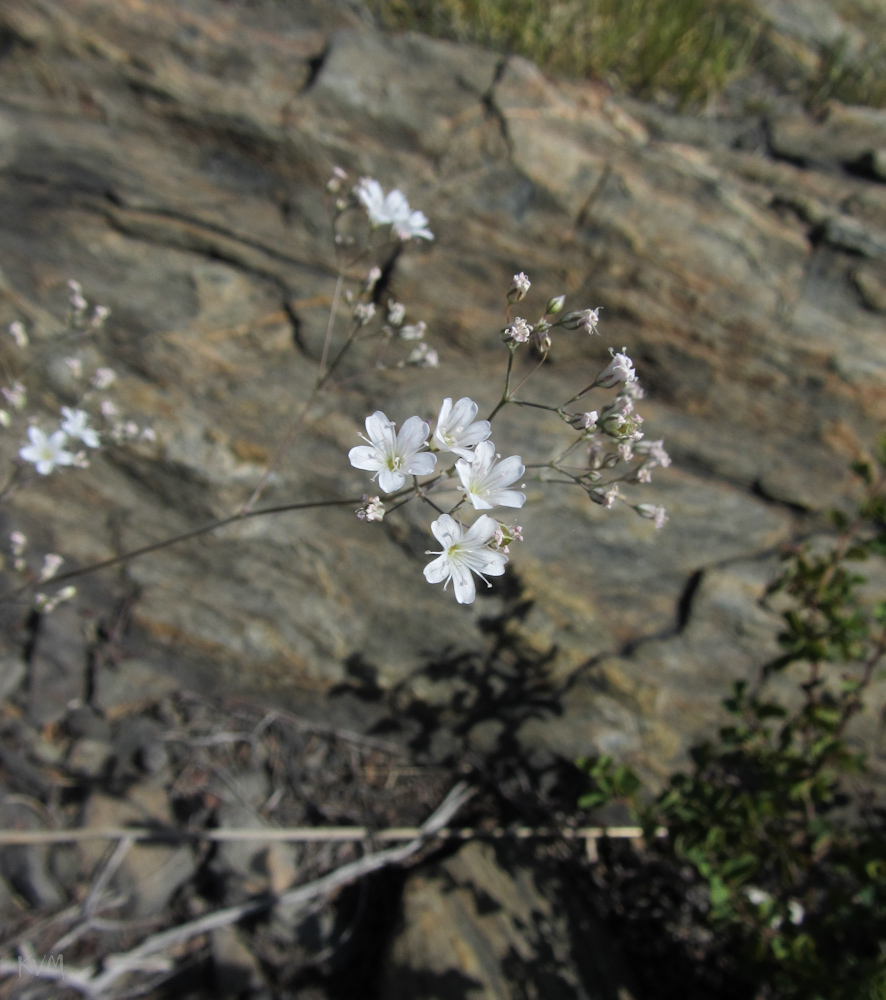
x=171, y=157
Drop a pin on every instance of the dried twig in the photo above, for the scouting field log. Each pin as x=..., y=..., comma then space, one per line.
x=319, y=834
x=145, y=956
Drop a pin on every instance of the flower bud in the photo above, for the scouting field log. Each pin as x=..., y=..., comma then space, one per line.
x=584, y=319
x=605, y=498
x=555, y=305
x=653, y=513
x=620, y=369
x=520, y=286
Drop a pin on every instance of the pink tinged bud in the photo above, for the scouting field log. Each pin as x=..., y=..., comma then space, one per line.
x=18, y=333
x=372, y=279
x=583, y=319
x=605, y=498
x=652, y=513
x=520, y=286
x=620, y=369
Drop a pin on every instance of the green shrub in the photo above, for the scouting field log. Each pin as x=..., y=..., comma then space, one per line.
x=779, y=817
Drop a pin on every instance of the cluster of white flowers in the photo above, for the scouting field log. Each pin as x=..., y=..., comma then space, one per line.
x=480, y=548
x=52, y=562
x=611, y=436
x=78, y=308
x=46, y=451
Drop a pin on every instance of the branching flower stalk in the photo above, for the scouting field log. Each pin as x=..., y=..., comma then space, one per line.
x=483, y=478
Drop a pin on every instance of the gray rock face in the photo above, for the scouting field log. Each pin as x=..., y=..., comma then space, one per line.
x=474, y=926
x=172, y=159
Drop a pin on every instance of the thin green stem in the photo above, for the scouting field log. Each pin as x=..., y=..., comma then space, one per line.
x=183, y=537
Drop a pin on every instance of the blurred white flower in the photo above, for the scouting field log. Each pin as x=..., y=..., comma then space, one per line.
x=423, y=356
x=51, y=564
x=46, y=452
x=456, y=429
x=414, y=225
x=464, y=552
x=104, y=378
x=392, y=456
x=413, y=331
x=653, y=513
x=485, y=482
x=76, y=425
x=18, y=333
x=16, y=395
x=396, y=312
x=391, y=209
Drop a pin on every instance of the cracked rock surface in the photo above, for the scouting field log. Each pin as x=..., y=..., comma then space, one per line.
x=171, y=157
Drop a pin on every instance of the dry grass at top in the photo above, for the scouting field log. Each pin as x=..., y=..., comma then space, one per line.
x=686, y=49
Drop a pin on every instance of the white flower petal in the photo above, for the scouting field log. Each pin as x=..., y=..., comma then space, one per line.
x=463, y=582
x=389, y=481
x=365, y=457
x=438, y=570
x=422, y=464
x=446, y=530
x=413, y=435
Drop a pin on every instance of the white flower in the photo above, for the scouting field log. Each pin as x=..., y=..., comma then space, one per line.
x=99, y=316
x=520, y=285
x=18, y=333
x=464, y=552
x=46, y=452
x=396, y=312
x=485, y=482
x=654, y=452
x=16, y=396
x=372, y=279
x=620, y=369
x=104, y=378
x=413, y=226
x=51, y=564
x=796, y=912
x=75, y=425
x=757, y=896
x=392, y=209
x=423, y=356
x=653, y=513
x=363, y=312
x=414, y=331
x=17, y=542
x=393, y=457
x=456, y=429
x=383, y=210
x=518, y=332
x=108, y=409
x=75, y=366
